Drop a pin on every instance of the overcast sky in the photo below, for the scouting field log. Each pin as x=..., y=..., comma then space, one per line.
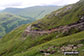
x=28, y=3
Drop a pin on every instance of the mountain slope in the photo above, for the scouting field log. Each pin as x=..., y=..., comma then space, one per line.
x=36, y=12
x=74, y=39
x=9, y=22
x=61, y=17
x=33, y=40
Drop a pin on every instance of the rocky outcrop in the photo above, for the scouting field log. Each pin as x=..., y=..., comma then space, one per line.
x=64, y=10
x=70, y=47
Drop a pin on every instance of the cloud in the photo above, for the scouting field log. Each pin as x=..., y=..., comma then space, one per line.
x=27, y=3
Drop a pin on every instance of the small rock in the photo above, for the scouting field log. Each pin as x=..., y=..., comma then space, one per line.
x=68, y=48
x=53, y=51
x=46, y=54
x=70, y=45
x=75, y=47
x=79, y=45
x=57, y=36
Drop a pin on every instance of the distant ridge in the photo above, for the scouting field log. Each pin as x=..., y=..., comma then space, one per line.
x=36, y=12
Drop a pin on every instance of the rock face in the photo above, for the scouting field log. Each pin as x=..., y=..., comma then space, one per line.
x=67, y=8
x=64, y=10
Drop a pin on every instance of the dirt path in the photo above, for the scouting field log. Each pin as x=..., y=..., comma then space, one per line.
x=28, y=30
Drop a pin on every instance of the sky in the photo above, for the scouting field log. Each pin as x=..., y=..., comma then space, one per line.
x=28, y=3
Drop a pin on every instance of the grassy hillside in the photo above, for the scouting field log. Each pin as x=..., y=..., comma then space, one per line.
x=53, y=44
x=14, y=44
x=36, y=12
x=9, y=22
